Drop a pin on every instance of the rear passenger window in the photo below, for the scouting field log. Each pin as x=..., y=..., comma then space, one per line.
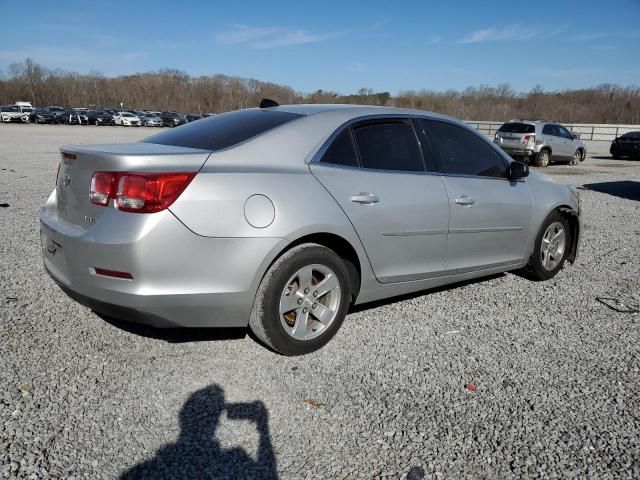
x=388, y=146
x=462, y=152
x=549, y=130
x=341, y=151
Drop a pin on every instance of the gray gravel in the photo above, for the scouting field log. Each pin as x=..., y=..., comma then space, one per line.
x=557, y=373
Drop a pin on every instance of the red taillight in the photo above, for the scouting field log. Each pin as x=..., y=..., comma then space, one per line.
x=140, y=192
x=102, y=185
x=528, y=138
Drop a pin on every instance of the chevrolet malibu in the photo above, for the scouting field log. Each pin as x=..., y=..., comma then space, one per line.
x=280, y=218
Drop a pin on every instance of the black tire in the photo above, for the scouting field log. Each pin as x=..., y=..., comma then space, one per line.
x=543, y=158
x=576, y=159
x=535, y=269
x=265, y=321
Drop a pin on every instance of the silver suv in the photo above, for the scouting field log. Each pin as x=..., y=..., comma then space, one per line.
x=539, y=142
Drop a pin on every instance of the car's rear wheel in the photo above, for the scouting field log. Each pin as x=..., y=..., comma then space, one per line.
x=302, y=300
x=551, y=248
x=576, y=159
x=543, y=158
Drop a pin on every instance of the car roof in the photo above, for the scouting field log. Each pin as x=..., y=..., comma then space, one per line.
x=354, y=111
x=305, y=135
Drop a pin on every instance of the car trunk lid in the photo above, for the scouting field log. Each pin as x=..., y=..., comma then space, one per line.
x=79, y=163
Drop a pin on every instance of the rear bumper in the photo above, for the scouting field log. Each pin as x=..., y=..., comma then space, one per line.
x=180, y=279
x=519, y=151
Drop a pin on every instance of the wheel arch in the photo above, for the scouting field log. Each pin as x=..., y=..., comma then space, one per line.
x=337, y=243
x=574, y=229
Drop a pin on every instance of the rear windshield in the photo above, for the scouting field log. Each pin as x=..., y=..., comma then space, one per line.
x=223, y=131
x=517, y=128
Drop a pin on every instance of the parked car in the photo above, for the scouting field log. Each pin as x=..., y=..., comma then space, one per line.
x=172, y=119
x=12, y=113
x=540, y=142
x=74, y=117
x=127, y=119
x=627, y=145
x=192, y=118
x=57, y=111
x=301, y=211
x=42, y=115
x=150, y=120
x=100, y=118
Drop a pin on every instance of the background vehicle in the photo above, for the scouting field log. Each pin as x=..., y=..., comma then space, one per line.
x=100, y=117
x=150, y=120
x=627, y=145
x=74, y=117
x=316, y=207
x=172, y=119
x=192, y=118
x=540, y=142
x=127, y=119
x=11, y=113
x=57, y=111
x=42, y=115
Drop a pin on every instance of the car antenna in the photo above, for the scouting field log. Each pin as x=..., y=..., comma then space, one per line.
x=268, y=103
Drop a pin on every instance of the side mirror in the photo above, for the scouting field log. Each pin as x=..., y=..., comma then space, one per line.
x=576, y=136
x=517, y=171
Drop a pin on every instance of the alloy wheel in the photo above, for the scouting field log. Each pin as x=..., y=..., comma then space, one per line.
x=554, y=242
x=310, y=302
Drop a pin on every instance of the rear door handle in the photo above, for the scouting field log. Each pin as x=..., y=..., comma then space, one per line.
x=365, y=198
x=465, y=200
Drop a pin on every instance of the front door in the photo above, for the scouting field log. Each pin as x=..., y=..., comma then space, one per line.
x=490, y=216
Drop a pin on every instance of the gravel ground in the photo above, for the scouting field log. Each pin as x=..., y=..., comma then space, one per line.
x=557, y=372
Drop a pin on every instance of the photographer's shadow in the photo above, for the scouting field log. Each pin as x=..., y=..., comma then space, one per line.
x=197, y=453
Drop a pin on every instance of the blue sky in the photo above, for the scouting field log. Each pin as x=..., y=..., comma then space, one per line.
x=340, y=46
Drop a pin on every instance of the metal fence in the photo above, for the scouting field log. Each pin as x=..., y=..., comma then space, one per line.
x=587, y=131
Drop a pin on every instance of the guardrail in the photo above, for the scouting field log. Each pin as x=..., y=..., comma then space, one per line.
x=587, y=131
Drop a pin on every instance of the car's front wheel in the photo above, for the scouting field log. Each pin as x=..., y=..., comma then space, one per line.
x=302, y=300
x=551, y=248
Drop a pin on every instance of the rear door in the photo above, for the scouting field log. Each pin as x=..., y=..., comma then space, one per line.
x=490, y=216
x=399, y=208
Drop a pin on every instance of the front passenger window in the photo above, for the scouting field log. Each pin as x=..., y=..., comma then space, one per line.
x=463, y=152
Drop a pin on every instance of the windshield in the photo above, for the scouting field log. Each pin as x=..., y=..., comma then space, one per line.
x=515, y=127
x=10, y=109
x=125, y=114
x=222, y=131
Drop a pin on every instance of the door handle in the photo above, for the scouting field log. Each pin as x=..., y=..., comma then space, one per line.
x=365, y=198
x=465, y=200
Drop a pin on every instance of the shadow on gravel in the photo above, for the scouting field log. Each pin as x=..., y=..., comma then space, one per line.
x=624, y=189
x=176, y=335
x=197, y=453
x=409, y=296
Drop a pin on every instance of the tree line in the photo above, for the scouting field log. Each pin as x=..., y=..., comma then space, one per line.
x=175, y=90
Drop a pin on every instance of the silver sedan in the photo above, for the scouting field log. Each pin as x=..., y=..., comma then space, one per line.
x=281, y=218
